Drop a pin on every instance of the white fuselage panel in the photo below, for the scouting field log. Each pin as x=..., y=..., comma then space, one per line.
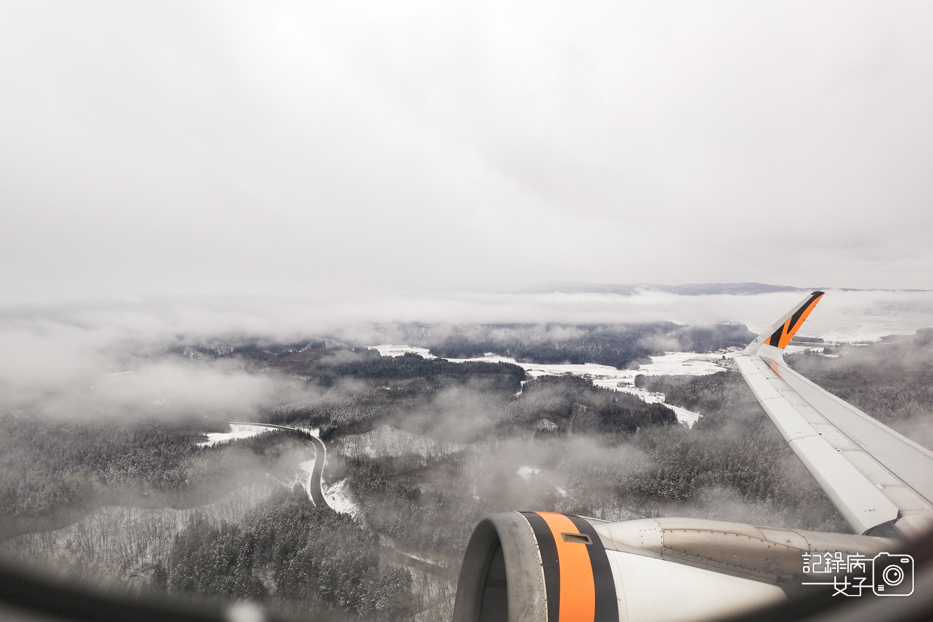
x=653, y=590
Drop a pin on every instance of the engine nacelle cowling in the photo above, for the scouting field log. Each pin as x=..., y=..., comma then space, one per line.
x=549, y=567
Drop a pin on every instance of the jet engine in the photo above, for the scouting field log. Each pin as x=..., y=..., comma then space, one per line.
x=549, y=567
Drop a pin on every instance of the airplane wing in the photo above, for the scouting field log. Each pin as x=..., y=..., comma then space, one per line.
x=548, y=567
x=880, y=481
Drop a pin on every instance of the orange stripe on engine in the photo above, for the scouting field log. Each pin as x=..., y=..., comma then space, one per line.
x=577, y=588
x=790, y=331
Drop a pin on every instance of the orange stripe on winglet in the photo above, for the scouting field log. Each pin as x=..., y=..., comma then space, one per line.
x=577, y=588
x=790, y=331
x=783, y=339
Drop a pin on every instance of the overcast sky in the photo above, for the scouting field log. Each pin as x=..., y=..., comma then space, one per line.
x=271, y=148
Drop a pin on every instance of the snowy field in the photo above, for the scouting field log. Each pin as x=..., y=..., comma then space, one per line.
x=337, y=496
x=668, y=364
x=339, y=499
x=607, y=377
x=389, y=349
x=237, y=432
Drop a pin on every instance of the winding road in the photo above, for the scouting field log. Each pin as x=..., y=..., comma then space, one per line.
x=320, y=457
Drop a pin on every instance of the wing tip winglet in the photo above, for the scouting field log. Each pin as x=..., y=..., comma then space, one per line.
x=781, y=332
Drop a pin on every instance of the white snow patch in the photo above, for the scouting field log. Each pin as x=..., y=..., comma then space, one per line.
x=245, y=612
x=388, y=349
x=338, y=498
x=668, y=364
x=688, y=363
x=421, y=559
x=527, y=471
x=684, y=416
x=389, y=543
x=237, y=432
x=867, y=332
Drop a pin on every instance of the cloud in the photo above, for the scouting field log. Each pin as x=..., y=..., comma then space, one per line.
x=456, y=414
x=64, y=369
x=184, y=149
x=116, y=359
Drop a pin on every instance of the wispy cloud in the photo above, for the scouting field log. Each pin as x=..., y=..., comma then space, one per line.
x=117, y=359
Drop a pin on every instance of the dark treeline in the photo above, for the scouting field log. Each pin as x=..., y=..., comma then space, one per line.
x=288, y=549
x=491, y=376
x=402, y=392
x=891, y=380
x=614, y=345
x=574, y=404
x=608, y=455
x=721, y=398
x=52, y=471
x=48, y=465
x=53, y=468
x=733, y=446
x=427, y=506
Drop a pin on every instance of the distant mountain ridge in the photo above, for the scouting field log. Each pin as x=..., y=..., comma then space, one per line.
x=690, y=289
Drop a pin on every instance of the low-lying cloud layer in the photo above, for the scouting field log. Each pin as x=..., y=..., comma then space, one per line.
x=117, y=359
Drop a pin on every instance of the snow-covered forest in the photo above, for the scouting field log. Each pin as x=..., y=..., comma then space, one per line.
x=419, y=450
